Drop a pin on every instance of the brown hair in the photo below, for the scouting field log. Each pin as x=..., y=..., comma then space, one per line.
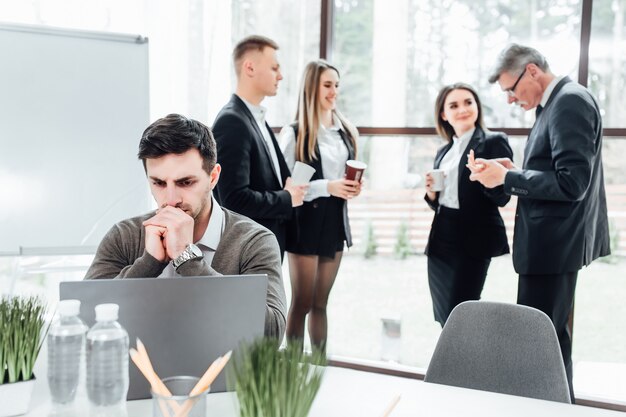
x=445, y=129
x=308, y=113
x=176, y=134
x=250, y=43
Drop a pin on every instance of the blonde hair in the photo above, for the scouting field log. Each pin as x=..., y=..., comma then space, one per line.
x=308, y=113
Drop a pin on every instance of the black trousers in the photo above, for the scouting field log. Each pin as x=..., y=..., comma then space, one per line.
x=554, y=295
x=453, y=275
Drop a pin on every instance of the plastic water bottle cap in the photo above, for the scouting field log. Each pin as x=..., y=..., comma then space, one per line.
x=69, y=308
x=107, y=312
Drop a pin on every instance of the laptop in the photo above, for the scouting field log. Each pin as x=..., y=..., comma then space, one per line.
x=185, y=323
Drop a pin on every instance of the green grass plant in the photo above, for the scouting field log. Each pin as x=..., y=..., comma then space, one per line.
x=371, y=246
x=275, y=383
x=21, y=336
x=402, y=249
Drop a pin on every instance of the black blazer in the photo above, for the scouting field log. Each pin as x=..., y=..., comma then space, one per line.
x=307, y=223
x=248, y=183
x=482, y=232
x=561, y=222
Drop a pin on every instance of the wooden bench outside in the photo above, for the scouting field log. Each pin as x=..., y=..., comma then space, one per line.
x=386, y=210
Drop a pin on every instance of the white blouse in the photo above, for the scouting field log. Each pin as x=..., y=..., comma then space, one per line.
x=449, y=196
x=333, y=153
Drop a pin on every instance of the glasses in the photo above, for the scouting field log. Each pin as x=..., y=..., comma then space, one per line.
x=511, y=91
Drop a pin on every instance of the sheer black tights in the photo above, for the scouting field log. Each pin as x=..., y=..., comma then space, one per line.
x=312, y=278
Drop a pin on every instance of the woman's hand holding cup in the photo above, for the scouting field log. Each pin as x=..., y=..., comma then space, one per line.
x=344, y=188
x=434, y=181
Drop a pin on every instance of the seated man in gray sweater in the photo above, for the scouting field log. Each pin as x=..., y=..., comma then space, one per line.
x=189, y=234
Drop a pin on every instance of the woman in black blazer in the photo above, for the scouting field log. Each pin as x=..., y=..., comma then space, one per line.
x=324, y=139
x=467, y=230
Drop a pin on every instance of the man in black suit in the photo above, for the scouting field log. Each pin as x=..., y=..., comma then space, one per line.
x=255, y=179
x=561, y=221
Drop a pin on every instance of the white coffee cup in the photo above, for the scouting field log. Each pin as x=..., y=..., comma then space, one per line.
x=302, y=173
x=438, y=176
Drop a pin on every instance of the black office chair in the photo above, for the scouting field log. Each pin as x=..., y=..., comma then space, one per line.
x=499, y=347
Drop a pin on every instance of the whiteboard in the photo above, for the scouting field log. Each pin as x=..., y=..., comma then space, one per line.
x=73, y=106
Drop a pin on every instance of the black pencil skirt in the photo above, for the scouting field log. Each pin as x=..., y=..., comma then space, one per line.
x=453, y=275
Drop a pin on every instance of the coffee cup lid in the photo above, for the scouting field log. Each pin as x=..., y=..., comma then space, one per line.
x=356, y=164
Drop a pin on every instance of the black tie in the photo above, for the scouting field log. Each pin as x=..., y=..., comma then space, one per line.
x=538, y=111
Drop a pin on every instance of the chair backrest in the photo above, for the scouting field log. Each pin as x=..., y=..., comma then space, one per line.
x=499, y=347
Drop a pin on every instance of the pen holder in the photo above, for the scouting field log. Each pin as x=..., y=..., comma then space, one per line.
x=179, y=404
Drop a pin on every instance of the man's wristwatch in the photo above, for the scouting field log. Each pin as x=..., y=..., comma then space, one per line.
x=190, y=252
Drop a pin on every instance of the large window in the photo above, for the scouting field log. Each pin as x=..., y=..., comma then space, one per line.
x=391, y=74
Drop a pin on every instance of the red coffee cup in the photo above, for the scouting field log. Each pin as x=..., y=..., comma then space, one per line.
x=354, y=169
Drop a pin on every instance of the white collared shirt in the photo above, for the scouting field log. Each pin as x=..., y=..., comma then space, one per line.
x=449, y=196
x=208, y=243
x=549, y=89
x=333, y=153
x=258, y=112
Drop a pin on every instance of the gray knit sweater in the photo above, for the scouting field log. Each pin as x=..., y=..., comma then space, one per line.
x=245, y=248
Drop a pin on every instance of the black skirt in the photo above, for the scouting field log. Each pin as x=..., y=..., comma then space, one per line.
x=318, y=228
x=453, y=275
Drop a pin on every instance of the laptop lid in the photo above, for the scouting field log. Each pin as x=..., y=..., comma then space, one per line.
x=185, y=323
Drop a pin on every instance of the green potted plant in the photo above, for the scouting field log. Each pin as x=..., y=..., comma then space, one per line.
x=21, y=335
x=275, y=383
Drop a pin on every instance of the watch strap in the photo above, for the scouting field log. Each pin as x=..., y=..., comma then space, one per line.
x=190, y=252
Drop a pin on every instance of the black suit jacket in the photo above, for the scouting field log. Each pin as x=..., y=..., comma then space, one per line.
x=561, y=222
x=482, y=230
x=248, y=183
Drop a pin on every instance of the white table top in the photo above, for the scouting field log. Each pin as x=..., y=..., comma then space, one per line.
x=346, y=392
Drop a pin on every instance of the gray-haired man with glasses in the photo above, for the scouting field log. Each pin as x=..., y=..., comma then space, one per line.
x=561, y=221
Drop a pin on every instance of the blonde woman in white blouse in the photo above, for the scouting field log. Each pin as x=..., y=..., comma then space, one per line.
x=323, y=138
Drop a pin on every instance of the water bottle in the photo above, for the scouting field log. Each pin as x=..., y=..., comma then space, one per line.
x=107, y=359
x=66, y=339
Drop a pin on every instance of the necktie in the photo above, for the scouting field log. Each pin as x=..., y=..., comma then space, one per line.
x=538, y=111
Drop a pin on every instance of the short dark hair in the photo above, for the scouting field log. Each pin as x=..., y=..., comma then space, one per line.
x=514, y=58
x=250, y=43
x=443, y=127
x=176, y=134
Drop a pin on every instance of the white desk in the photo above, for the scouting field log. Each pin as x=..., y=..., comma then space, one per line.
x=348, y=393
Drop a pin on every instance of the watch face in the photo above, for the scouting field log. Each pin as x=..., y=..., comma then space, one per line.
x=195, y=250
